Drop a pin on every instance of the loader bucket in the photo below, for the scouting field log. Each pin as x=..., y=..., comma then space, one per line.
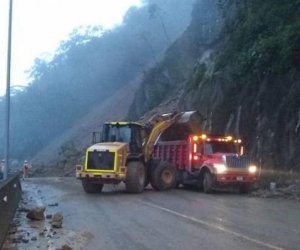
x=190, y=122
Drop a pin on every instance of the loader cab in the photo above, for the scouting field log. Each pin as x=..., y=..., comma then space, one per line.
x=125, y=132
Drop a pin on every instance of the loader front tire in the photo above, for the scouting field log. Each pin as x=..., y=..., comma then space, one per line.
x=135, y=177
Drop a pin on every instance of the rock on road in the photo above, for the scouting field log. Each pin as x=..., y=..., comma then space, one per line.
x=178, y=219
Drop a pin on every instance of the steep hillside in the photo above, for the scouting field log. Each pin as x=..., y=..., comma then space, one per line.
x=256, y=71
x=239, y=67
x=67, y=150
x=243, y=74
x=181, y=58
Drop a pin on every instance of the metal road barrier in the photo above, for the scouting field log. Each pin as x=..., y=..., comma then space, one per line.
x=10, y=195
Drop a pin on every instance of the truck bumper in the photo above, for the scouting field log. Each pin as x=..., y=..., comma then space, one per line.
x=236, y=178
x=103, y=177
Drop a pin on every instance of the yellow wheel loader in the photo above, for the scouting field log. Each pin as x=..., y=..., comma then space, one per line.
x=124, y=154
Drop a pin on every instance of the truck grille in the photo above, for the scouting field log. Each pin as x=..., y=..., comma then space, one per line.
x=237, y=162
x=100, y=160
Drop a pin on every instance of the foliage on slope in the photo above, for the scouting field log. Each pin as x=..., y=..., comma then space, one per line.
x=242, y=71
x=256, y=68
x=180, y=58
x=264, y=38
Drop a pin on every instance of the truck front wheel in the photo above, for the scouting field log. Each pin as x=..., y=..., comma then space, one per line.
x=135, y=177
x=208, y=183
x=163, y=177
x=91, y=188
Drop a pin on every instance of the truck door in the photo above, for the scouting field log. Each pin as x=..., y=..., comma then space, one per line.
x=197, y=154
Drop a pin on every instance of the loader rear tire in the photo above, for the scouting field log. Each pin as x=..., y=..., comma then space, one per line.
x=135, y=177
x=163, y=177
x=91, y=188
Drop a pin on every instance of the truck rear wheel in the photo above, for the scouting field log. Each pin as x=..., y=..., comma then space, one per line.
x=135, y=177
x=163, y=177
x=91, y=188
x=208, y=183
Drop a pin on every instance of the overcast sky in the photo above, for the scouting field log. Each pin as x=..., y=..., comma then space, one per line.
x=39, y=26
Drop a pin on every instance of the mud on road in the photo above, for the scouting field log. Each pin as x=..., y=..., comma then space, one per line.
x=26, y=234
x=178, y=219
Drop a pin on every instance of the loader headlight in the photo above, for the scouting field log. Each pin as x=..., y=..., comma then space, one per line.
x=252, y=169
x=221, y=168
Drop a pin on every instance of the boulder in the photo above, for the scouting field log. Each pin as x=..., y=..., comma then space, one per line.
x=57, y=220
x=36, y=214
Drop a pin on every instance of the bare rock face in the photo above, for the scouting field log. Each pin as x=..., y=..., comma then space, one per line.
x=57, y=220
x=36, y=214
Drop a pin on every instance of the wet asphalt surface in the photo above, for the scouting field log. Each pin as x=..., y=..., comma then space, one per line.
x=178, y=219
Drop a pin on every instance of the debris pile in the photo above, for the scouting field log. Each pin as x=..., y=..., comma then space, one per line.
x=288, y=190
x=32, y=227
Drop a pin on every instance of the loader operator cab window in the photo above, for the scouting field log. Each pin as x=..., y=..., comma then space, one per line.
x=127, y=133
x=116, y=133
x=213, y=147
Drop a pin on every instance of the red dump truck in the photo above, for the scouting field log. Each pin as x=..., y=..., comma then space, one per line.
x=207, y=161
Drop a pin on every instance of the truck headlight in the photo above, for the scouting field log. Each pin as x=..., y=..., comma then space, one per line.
x=252, y=169
x=221, y=168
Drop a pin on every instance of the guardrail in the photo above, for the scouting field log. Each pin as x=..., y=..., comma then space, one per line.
x=10, y=195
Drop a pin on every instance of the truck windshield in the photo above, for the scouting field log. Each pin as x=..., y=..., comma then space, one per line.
x=220, y=147
x=120, y=133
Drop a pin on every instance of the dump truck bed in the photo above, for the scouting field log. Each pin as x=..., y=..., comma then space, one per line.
x=175, y=152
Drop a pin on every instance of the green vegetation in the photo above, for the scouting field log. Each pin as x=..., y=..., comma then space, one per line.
x=179, y=60
x=260, y=38
x=263, y=38
x=198, y=76
x=255, y=65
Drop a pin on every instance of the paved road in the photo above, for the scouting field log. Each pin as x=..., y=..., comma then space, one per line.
x=178, y=219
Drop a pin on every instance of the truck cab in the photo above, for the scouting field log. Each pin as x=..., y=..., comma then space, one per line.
x=209, y=161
